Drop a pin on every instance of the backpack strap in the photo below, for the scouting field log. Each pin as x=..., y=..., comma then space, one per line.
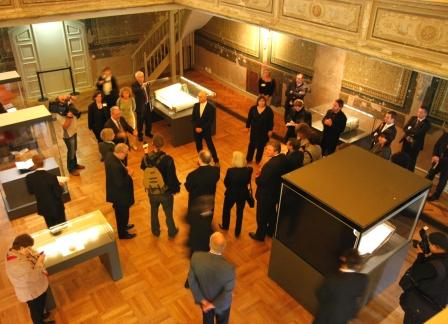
x=309, y=154
x=153, y=160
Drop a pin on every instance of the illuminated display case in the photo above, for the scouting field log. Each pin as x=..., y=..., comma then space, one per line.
x=174, y=100
x=24, y=133
x=351, y=199
x=78, y=240
x=12, y=98
x=360, y=124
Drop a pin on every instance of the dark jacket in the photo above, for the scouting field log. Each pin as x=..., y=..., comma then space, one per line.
x=110, y=124
x=266, y=88
x=269, y=180
x=294, y=92
x=45, y=187
x=96, y=118
x=340, y=297
x=339, y=121
x=237, y=181
x=142, y=98
x=114, y=91
x=106, y=148
x=207, y=119
x=119, y=184
x=166, y=168
x=294, y=160
x=384, y=152
x=212, y=277
x=441, y=146
x=414, y=133
x=424, y=276
x=302, y=116
x=390, y=132
x=202, y=181
x=260, y=124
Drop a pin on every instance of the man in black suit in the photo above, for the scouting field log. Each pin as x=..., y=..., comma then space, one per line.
x=203, y=118
x=212, y=279
x=294, y=156
x=48, y=192
x=268, y=190
x=439, y=165
x=334, y=123
x=295, y=90
x=202, y=181
x=340, y=296
x=120, y=189
x=387, y=127
x=143, y=105
x=414, y=135
x=119, y=126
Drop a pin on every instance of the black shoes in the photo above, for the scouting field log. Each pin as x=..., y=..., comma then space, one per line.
x=175, y=233
x=432, y=198
x=223, y=228
x=129, y=226
x=140, y=138
x=127, y=236
x=255, y=237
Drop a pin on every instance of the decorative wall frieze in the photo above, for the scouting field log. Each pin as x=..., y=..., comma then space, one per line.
x=376, y=79
x=4, y=3
x=336, y=14
x=412, y=29
x=261, y=5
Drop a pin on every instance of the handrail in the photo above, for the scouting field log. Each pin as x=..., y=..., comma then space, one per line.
x=149, y=35
x=156, y=48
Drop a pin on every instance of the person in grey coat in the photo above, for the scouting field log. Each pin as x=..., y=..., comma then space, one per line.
x=212, y=279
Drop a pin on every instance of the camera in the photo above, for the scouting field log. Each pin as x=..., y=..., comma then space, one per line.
x=62, y=105
x=424, y=241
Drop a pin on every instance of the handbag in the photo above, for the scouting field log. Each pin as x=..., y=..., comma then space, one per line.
x=250, y=197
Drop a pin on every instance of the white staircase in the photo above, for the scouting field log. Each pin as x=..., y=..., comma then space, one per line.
x=152, y=54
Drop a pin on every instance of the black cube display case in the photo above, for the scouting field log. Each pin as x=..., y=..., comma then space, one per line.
x=351, y=199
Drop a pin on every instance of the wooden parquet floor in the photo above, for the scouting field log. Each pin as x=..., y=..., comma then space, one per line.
x=155, y=269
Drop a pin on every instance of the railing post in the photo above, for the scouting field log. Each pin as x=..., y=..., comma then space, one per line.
x=180, y=41
x=172, y=46
x=145, y=64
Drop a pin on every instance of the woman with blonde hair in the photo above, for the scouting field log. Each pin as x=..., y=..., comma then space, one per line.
x=237, y=180
x=126, y=103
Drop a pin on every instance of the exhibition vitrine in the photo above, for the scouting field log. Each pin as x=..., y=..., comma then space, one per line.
x=174, y=101
x=24, y=133
x=351, y=199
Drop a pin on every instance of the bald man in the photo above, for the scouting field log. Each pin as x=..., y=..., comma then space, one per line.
x=203, y=119
x=212, y=279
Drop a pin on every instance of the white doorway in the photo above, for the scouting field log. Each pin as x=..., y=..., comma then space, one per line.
x=48, y=46
x=52, y=54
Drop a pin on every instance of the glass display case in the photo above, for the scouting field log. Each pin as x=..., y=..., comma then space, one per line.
x=74, y=237
x=351, y=199
x=11, y=94
x=76, y=241
x=23, y=133
x=173, y=101
x=360, y=124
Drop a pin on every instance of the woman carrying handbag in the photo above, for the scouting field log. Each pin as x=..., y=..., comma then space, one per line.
x=237, y=180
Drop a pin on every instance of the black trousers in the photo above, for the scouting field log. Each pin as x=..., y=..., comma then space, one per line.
x=209, y=317
x=442, y=168
x=207, y=136
x=52, y=219
x=144, y=119
x=228, y=204
x=329, y=144
x=37, y=308
x=412, y=152
x=251, y=150
x=265, y=216
x=290, y=133
x=122, y=218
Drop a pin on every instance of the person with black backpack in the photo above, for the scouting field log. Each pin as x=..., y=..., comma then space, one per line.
x=161, y=183
x=425, y=283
